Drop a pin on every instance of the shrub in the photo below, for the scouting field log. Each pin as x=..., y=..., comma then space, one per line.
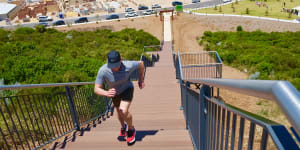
x=40, y=28
x=24, y=30
x=247, y=11
x=239, y=28
x=266, y=12
x=32, y=57
x=266, y=56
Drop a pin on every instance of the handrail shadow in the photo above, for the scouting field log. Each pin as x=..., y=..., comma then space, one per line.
x=72, y=138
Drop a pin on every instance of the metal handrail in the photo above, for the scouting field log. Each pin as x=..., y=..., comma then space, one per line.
x=201, y=65
x=282, y=92
x=179, y=60
x=35, y=120
x=30, y=86
x=218, y=59
x=191, y=67
x=151, y=46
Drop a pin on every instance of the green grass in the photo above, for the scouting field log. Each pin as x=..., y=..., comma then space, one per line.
x=274, y=9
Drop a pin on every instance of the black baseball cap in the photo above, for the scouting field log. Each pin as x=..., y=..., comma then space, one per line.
x=113, y=59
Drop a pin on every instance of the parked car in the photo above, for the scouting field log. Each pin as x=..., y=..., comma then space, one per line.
x=142, y=7
x=175, y=3
x=153, y=11
x=59, y=22
x=147, y=12
x=225, y=1
x=81, y=20
x=45, y=24
x=156, y=6
x=44, y=18
x=195, y=1
x=129, y=9
x=113, y=16
x=131, y=14
x=26, y=19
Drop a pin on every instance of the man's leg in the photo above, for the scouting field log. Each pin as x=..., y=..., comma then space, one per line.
x=116, y=102
x=124, y=107
x=120, y=116
x=127, y=96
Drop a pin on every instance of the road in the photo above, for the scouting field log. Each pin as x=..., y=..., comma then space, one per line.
x=95, y=18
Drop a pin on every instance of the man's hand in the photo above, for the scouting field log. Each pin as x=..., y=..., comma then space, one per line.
x=141, y=84
x=111, y=92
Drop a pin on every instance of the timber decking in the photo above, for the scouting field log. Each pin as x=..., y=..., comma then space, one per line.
x=156, y=115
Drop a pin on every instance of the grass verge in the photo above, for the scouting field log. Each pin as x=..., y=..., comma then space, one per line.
x=270, y=8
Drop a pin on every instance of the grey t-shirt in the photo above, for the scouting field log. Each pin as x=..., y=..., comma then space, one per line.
x=120, y=79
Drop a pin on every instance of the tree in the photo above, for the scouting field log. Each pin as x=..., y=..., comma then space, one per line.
x=247, y=11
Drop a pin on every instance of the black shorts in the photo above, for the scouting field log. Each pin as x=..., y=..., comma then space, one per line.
x=127, y=95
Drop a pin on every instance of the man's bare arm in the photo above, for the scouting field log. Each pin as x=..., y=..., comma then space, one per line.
x=141, y=68
x=98, y=89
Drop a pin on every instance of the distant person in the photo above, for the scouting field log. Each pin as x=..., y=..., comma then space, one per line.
x=116, y=74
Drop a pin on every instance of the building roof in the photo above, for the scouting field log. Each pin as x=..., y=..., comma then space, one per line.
x=6, y=8
x=114, y=4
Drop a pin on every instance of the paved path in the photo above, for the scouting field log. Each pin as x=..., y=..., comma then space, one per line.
x=167, y=27
x=159, y=123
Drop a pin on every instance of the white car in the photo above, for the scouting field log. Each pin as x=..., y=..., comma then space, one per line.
x=225, y=1
x=129, y=9
x=131, y=14
x=156, y=6
x=44, y=18
x=147, y=12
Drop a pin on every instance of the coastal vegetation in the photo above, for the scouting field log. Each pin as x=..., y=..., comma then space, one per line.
x=266, y=56
x=32, y=56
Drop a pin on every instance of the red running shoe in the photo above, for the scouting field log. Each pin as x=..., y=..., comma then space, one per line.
x=123, y=130
x=131, y=136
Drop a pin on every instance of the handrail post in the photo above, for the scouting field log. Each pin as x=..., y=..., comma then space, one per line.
x=187, y=85
x=204, y=91
x=72, y=108
x=181, y=105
